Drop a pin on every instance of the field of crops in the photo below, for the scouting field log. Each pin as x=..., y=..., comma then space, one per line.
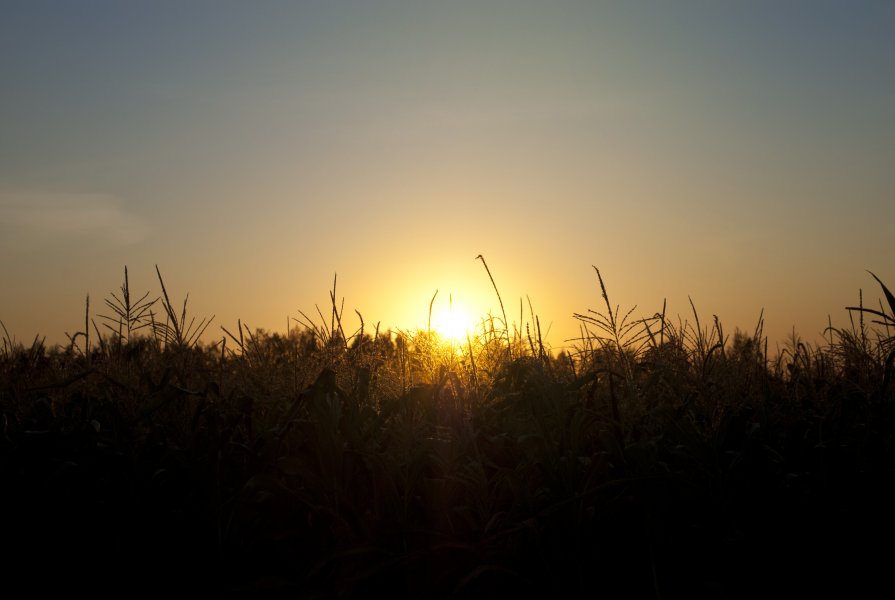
x=661, y=458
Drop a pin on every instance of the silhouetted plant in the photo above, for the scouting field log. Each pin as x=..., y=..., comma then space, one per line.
x=176, y=331
x=886, y=340
x=128, y=316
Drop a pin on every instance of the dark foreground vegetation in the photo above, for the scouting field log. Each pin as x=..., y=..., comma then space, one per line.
x=656, y=460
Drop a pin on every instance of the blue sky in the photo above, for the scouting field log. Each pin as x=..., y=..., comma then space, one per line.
x=742, y=155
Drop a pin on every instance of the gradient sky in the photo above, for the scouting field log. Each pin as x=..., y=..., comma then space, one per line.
x=739, y=153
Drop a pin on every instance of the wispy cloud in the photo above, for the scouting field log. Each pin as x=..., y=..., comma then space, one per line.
x=30, y=219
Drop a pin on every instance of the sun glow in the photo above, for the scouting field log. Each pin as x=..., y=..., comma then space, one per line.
x=452, y=322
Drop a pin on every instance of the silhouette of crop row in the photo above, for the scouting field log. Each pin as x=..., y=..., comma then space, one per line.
x=653, y=460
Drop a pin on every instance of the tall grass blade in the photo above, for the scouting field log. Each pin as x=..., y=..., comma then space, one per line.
x=889, y=297
x=500, y=300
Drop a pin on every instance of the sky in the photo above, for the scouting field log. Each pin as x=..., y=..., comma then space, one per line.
x=741, y=155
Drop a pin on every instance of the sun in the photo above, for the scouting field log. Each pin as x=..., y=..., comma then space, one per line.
x=452, y=322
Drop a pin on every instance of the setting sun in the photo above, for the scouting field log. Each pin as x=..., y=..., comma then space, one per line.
x=452, y=322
